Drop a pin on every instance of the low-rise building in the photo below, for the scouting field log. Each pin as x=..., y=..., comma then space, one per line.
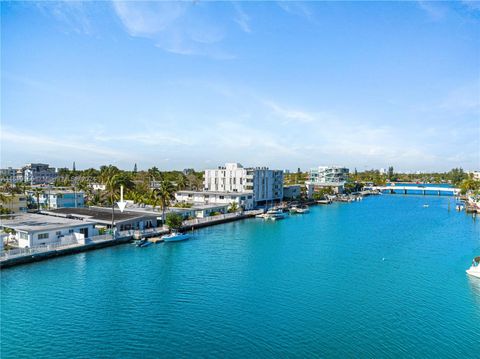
x=243, y=200
x=292, y=192
x=102, y=216
x=31, y=230
x=194, y=211
x=14, y=203
x=53, y=199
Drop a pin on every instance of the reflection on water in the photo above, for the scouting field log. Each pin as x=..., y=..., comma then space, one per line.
x=474, y=284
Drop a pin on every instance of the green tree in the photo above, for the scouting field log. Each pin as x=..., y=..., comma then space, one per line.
x=165, y=194
x=233, y=207
x=174, y=220
x=37, y=191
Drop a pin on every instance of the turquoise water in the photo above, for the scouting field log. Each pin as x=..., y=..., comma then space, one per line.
x=380, y=278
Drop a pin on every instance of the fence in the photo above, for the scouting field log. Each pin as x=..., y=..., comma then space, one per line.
x=71, y=242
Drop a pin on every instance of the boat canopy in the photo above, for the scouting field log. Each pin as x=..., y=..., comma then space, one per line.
x=477, y=259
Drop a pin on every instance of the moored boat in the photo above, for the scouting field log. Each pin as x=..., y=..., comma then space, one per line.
x=175, y=237
x=474, y=270
x=274, y=214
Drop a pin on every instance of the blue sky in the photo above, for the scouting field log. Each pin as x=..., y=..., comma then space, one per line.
x=197, y=84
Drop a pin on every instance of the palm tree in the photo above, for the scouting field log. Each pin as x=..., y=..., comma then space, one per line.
x=37, y=191
x=181, y=181
x=112, y=187
x=233, y=207
x=165, y=194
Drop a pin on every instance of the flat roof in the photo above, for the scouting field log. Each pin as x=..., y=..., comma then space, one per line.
x=31, y=222
x=98, y=214
x=220, y=193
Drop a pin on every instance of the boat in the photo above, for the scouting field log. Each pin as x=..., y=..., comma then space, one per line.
x=474, y=270
x=274, y=214
x=425, y=206
x=145, y=244
x=303, y=209
x=299, y=209
x=140, y=242
x=175, y=237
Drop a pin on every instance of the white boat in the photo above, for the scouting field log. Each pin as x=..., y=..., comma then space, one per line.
x=175, y=237
x=274, y=214
x=425, y=206
x=474, y=270
x=303, y=209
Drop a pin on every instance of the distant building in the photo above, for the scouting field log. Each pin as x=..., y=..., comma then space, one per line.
x=188, y=171
x=53, y=199
x=266, y=184
x=38, y=173
x=14, y=203
x=324, y=176
x=475, y=175
x=12, y=175
x=292, y=192
x=33, y=230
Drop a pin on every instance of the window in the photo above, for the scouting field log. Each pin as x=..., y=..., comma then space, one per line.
x=42, y=235
x=221, y=197
x=58, y=233
x=23, y=235
x=70, y=231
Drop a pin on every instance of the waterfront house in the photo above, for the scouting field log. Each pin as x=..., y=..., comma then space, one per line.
x=102, y=216
x=333, y=177
x=197, y=210
x=31, y=230
x=204, y=198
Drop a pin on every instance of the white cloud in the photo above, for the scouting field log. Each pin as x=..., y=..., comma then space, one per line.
x=296, y=8
x=290, y=115
x=59, y=147
x=178, y=27
x=241, y=18
x=74, y=15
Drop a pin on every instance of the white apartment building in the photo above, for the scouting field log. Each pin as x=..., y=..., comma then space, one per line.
x=265, y=184
x=38, y=173
x=325, y=176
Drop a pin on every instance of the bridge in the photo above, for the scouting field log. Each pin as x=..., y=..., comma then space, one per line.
x=416, y=190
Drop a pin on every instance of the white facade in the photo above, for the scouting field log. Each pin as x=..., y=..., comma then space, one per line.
x=33, y=230
x=244, y=200
x=324, y=176
x=38, y=173
x=327, y=175
x=266, y=184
